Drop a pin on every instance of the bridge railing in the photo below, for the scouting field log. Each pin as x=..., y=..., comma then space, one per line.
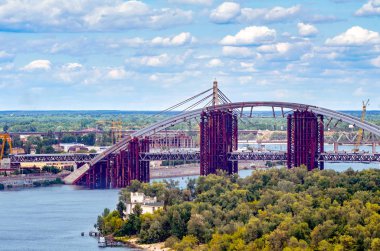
x=73, y=157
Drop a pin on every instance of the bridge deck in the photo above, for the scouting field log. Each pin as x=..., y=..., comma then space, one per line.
x=195, y=156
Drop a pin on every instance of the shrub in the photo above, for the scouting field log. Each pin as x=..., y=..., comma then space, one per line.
x=171, y=242
x=188, y=242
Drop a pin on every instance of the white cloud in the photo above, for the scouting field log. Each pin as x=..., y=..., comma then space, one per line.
x=40, y=64
x=196, y=2
x=153, y=77
x=95, y=15
x=371, y=8
x=183, y=38
x=277, y=13
x=226, y=12
x=284, y=51
x=116, y=73
x=153, y=61
x=306, y=30
x=134, y=14
x=72, y=66
x=281, y=93
x=178, y=40
x=355, y=36
x=231, y=12
x=376, y=62
x=215, y=62
x=245, y=79
x=281, y=48
x=359, y=92
x=161, y=60
x=250, y=36
x=132, y=42
x=4, y=56
x=247, y=67
x=237, y=52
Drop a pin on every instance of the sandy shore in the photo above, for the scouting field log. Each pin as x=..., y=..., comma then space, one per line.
x=155, y=246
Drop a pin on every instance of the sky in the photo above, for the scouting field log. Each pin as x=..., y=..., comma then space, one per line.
x=149, y=55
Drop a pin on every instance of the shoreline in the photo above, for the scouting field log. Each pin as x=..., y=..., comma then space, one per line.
x=26, y=181
x=186, y=171
x=132, y=243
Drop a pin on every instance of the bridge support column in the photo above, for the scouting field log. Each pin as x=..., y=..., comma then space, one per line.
x=373, y=147
x=137, y=170
x=218, y=137
x=118, y=170
x=336, y=147
x=305, y=139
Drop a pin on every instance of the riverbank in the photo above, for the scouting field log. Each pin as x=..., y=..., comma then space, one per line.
x=31, y=180
x=133, y=243
x=192, y=170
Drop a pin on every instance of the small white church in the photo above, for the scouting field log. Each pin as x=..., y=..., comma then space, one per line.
x=148, y=204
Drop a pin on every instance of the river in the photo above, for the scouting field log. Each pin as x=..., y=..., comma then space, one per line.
x=52, y=218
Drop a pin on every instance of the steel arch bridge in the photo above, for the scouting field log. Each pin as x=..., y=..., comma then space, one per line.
x=129, y=158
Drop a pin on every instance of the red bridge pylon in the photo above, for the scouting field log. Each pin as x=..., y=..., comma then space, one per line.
x=118, y=170
x=218, y=137
x=305, y=139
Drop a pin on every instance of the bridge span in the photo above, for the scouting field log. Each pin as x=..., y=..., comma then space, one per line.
x=129, y=159
x=196, y=156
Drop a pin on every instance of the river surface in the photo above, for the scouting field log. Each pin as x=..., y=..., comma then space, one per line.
x=53, y=218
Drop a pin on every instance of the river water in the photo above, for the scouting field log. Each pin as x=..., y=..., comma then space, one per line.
x=52, y=218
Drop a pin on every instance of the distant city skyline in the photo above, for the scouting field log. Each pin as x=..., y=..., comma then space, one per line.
x=149, y=55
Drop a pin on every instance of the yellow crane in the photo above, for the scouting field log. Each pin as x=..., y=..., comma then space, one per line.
x=116, y=128
x=5, y=138
x=359, y=137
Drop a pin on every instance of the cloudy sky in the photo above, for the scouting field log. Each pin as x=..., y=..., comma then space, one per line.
x=147, y=55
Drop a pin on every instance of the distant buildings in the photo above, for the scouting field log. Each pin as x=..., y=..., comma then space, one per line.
x=18, y=150
x=77, y=149
x=148, y=204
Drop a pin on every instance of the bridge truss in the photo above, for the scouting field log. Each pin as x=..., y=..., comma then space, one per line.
x=129, y=158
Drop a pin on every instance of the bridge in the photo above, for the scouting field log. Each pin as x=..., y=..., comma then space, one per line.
x=218, y=120
x=196, y=156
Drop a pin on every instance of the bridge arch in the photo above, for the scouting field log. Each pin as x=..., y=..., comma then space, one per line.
x=121, y=148
x=185, y=116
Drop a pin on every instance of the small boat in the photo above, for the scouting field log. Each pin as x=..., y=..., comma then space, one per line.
x=102, y=242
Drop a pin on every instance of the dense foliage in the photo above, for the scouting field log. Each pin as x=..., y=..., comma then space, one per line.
x=44, y=121
x=275, y=209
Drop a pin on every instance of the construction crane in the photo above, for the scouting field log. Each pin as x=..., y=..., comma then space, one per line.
x=116, y=128
x=5, y=138
x=359, y=137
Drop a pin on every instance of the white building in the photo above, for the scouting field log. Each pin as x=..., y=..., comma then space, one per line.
x=148, y=204
x=66, y=146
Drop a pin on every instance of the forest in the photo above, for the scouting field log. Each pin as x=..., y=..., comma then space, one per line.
x=276, y=209
x=55, y=121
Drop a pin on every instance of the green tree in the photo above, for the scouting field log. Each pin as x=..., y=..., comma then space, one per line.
x=188, y=242
x=121, y=208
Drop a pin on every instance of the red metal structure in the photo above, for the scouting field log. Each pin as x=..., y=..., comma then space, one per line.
x=218, y=137
x=129, y=158
x=305, y=139
x=119, y=170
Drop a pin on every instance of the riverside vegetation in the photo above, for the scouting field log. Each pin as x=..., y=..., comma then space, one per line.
x=276, y=209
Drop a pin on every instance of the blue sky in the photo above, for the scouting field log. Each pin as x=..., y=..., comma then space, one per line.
x=148, y=55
